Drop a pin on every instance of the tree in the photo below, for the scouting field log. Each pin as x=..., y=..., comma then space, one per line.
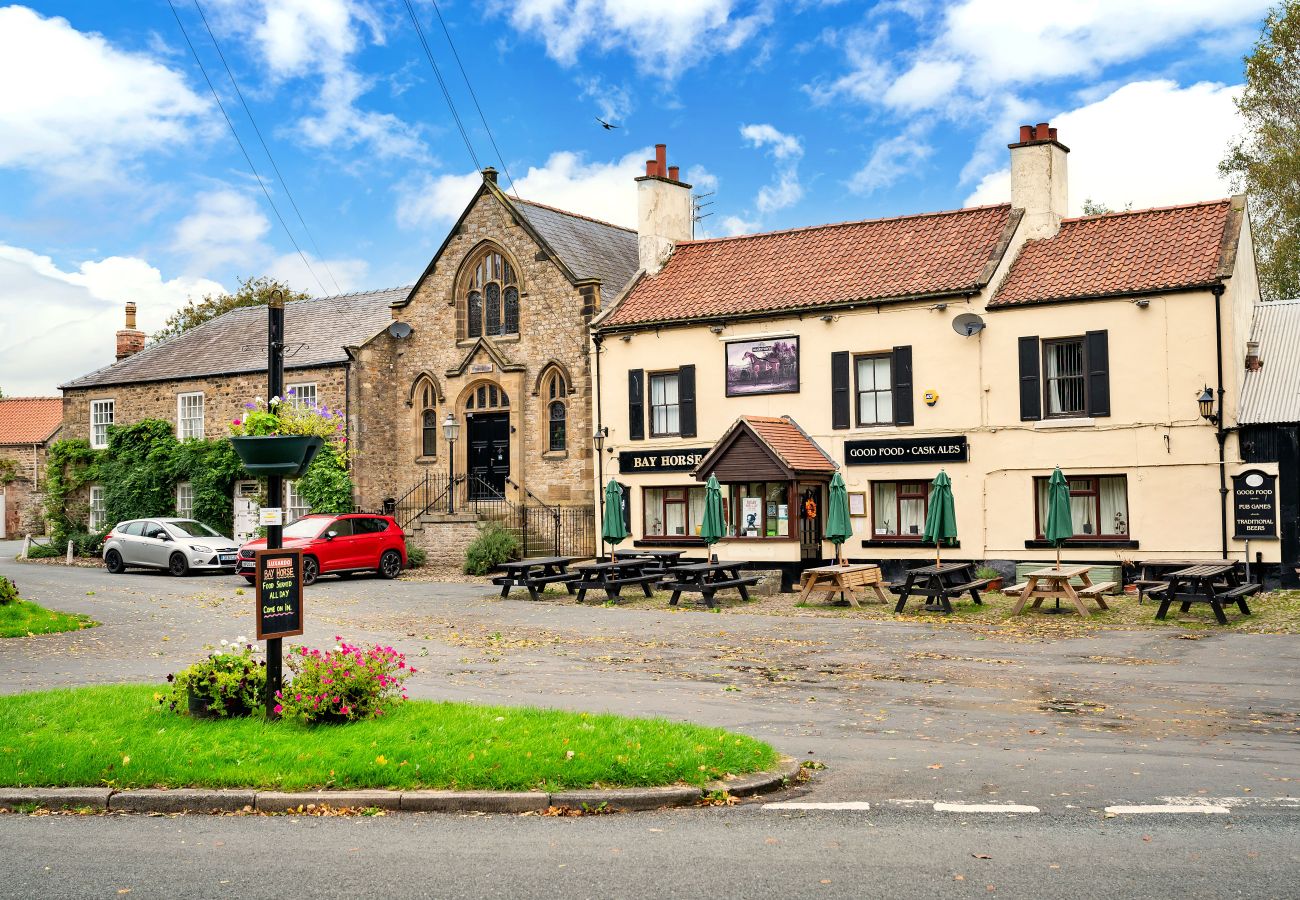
x=1093, y=207
x=252, y=292
x=1265, y=162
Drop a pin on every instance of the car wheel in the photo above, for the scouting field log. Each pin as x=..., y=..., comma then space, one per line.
x=249, y=578
x=310, y=570
x=113, y=562
x=390, y=564
x=178, y=566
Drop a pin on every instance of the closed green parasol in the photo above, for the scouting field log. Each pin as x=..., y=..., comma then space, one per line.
x=611, y=529
x=714, y=526
x=839, y=528
x=941, y=519
x=1059, y=527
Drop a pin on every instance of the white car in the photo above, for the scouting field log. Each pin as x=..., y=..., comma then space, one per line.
x=177, y=545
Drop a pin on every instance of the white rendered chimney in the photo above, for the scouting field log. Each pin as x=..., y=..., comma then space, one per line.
x=1039, y=180
x=663, y=211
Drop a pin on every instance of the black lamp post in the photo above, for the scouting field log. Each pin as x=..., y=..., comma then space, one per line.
x=450, y=431
x=1206, y=402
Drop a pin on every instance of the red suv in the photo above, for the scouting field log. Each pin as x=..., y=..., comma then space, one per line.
x=338, y=545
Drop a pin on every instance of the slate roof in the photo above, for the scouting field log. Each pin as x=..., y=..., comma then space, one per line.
x=1272, y=394
x=1144, y=251
x=877, y=259
x=29, y=420
x=316, y=331
x=589, y=247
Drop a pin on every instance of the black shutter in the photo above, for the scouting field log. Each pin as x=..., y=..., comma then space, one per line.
x=1097, y=358
x=686, y=401
x=1031, y=392
x=840, y=389
x=636, y=404
x=903, y=386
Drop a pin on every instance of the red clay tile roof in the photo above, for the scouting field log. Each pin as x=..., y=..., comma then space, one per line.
x=878, y=259
x=790, y=443
x=1121, y=253
x=29, y=420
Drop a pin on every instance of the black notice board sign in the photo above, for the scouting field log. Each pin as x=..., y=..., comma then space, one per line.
x=906, y=450
x=1254, y=506
x=632, y=461
x=279, y=593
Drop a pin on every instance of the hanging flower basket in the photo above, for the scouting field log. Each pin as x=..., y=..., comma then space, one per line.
x=286, y=455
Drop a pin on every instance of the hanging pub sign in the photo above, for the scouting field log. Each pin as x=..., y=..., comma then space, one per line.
x=1254, y=506
x=906, y=450
x=279, y=593
x=632, y=461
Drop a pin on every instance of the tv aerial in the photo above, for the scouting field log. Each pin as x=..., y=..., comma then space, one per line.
x=968, y=324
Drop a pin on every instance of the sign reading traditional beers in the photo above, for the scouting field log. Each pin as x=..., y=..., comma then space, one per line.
x=279, y=593
x=632, y=461
x=905, y=450
x=1254, y=506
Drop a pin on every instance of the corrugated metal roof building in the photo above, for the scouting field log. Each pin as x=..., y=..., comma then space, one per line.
x=1270, y=393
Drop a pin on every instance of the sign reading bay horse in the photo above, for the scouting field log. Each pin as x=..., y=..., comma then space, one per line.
x=632, y=461
x=763, y=367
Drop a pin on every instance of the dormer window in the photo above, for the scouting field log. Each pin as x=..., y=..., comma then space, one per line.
x=491, y=296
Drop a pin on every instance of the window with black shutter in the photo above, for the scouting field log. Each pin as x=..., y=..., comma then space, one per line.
x=1031, y=397
x=636, y=404
x=1097, y=353
x=840, y=389
x=903, y=386
x=686, y=400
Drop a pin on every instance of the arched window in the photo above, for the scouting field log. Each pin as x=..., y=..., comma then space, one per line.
x=556, y=390
x=428, y=421
x=558, y=436
x=487, y=396
x=491, y=296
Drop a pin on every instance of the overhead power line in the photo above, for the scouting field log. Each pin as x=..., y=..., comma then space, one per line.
x=244, y=149
x=283, y=183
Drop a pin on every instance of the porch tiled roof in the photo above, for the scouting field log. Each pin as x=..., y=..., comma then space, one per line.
x=1149, y=250
x=877, y=259
x=791, y=443
x=29, y=420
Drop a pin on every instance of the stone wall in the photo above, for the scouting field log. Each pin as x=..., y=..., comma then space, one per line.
x=552, y=329
x=445, y=542
x=22, y=494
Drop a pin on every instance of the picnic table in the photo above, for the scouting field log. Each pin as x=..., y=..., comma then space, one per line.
x=846, y=580
x=612, y=576
x=535, y=573
x=663, y=559
x=706, y=579
x=939, y=583
x=1054, y=583
x=1215, y=584
x=1153, y=574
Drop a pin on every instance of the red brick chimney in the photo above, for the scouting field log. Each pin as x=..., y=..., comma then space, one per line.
x=130, y=340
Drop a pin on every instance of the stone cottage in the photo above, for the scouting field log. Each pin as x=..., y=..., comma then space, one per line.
x=28, y=425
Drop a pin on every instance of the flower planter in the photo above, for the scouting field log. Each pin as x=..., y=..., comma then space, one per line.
x=285, y=455
x=200, y=708
x=994, y=585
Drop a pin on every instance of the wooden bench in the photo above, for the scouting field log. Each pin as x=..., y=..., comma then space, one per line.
x=612, y=586
x=1245, y=590
x=1015, y=589
x=709, y=588
x=1095, y=589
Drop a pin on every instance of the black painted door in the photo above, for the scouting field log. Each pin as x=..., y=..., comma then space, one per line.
x=489, y=455
x=810, y=523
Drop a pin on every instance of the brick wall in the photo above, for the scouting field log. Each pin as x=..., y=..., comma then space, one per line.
x=23, y=493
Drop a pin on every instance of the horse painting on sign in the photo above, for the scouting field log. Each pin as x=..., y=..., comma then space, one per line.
x=763, y=367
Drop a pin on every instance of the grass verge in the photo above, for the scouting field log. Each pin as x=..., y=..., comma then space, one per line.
x=118, y=736
x=24, y=618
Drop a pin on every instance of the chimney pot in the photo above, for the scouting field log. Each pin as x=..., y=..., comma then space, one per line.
x=674, y=172
x=1051, y=134
x=130, y=314
x=1026, y=133
x=650, y=166
x=661, y=160
x=1040, y=131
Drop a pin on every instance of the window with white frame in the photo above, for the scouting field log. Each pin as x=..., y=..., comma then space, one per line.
x=303, y=394
x=189, y=416
x=185, y=500
x=295, y=507
x=101, y=416
x=97, y=511
x=664, y=409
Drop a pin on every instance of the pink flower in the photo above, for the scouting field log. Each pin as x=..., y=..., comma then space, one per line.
x=279, y=708
x=234, y=422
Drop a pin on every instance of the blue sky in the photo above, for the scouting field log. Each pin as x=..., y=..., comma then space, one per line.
x=122, y=182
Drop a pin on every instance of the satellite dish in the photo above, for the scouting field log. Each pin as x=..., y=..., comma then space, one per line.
x=967, y=324
x=399, y=330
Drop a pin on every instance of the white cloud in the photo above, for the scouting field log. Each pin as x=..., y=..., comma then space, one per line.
x=602, y=190
x=734, y=225
x=224, y=229
x=79, y=109
x=923, y=85
x=783, y=146
x=784, y=189
x=80, y=312
x=613, y=102
x=664, y=38
x=1149, y=143
x=890, y=160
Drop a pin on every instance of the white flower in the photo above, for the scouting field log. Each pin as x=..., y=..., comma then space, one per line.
x=241, y=639
x=224, y=642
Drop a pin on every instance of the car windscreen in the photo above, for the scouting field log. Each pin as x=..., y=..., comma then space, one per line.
x=191, y=528
x=305, y=528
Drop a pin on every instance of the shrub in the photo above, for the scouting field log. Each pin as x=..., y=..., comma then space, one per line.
x=42, y=551
x=85, y=543
x=415, y=556
x=8, y=592
x=984, y=572
x=344, y=684
x=493, y=546
x=230, y=680
x=288, y=417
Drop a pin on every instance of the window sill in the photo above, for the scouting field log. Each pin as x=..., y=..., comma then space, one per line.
x=666, y=541
x=426, y=460
x=1075, y=422
x=1107, y=543
x=889, y=428
x=555, y=454
x=908, y=542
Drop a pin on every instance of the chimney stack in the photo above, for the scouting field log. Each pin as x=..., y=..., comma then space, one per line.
x=130, y=340
x=1039, y=180
x=490, y=174
x=664, y=214
x=1253, y=362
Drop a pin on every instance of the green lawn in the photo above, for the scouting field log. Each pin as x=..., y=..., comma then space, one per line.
x=118, y=735
x=25, y=617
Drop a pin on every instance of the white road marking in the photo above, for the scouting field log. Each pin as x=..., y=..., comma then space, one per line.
x=796, y=804
x=1169, y=808
x=1234, y=801
x=984, y=808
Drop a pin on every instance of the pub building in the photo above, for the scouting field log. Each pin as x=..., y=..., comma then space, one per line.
x=994, y=342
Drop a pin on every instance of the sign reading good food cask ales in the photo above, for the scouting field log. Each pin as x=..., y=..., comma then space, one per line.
x=633, y=461
x=1254, y=506
x=906, y=450
x=279, y=593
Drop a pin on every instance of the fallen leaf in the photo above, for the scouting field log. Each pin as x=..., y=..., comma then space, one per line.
x=981, y=856
x=935, y=766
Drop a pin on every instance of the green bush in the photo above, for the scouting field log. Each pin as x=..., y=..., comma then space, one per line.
x=494, y=545
x=86, y=543
x=984, y=572
x=8, y=592
x=415, y=556
x=326, y=485
x=230, y=680
x=43, y=551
